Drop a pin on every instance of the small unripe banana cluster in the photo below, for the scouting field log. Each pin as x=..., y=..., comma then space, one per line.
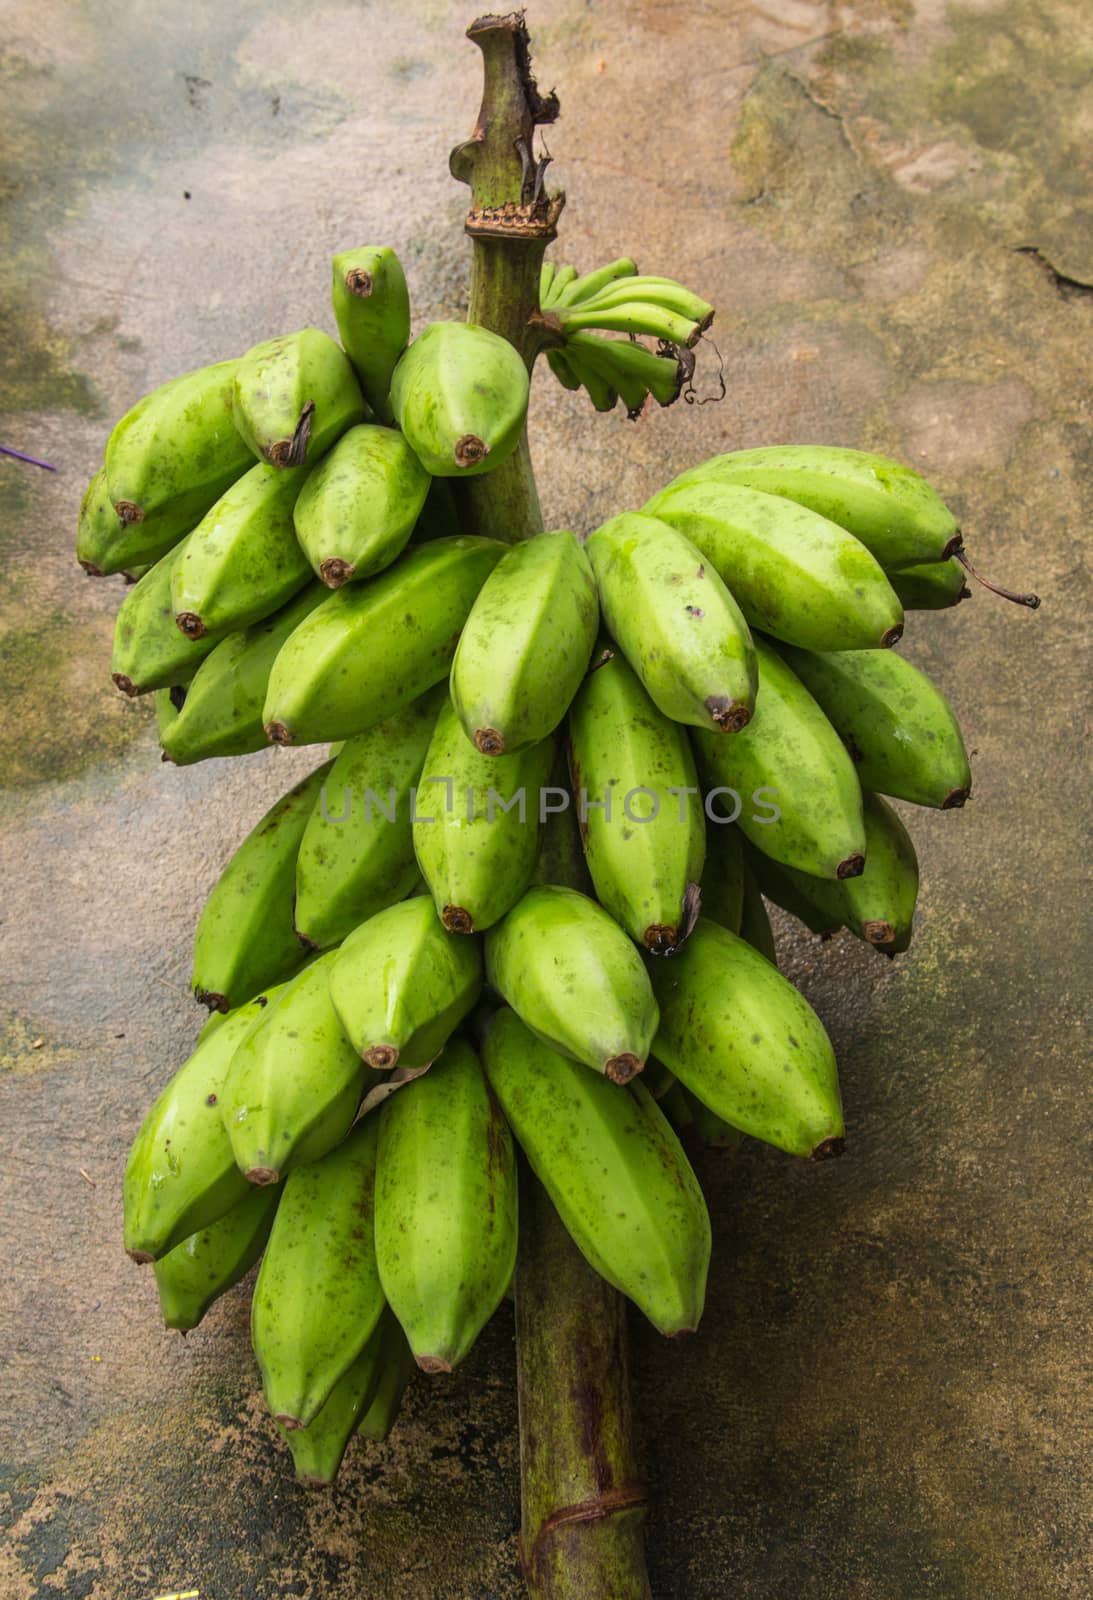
x=414, y=969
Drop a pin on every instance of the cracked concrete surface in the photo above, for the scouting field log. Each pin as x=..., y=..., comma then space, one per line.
x=888, y=201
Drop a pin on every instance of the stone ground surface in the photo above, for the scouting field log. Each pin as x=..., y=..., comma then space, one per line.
x=885, y=201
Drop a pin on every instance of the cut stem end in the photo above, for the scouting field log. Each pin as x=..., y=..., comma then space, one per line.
x=456, y=920
x=381, y=1056
x=620, y=1069
x=262, y=1178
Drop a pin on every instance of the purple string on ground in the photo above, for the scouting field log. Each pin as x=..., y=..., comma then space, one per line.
x=6, y=450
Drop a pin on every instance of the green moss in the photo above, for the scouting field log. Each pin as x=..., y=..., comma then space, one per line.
x=61, y=710
x=23, y=1047
x=36, y=370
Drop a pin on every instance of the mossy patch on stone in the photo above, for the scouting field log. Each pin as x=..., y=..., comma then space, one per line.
x=62, y=712
x=25, y=1048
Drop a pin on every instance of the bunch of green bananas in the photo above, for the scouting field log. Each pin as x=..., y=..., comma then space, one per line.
x=615, y=298
x=413, y=968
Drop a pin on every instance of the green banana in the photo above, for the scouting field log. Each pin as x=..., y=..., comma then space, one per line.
x=400, y=984
x=898, y=727
x=892, y=510
x=243, y=561
x=476, y=835
x=168, y=704
x=592, y=283
x=602, y=393
x=661, y=376
x=439, y=517
x=644, y=832
x=664, y=292
x=171, y=457
x=723, y=876
x=754, y=921
x=372, y=310
x=656, y=1078
x=679, y=1110
x=100, y=531
x=614, y=1169
x=595, y=364
x=357, y=853
x=793, y=573
x=220, y=713
x=526, y=644
x=568, y=970
x=181, y=1174
x=561, y=854
x=879, y=906
x=563, y=278
x=789, y=760
x=294, y=396
x=318, y=1297
x=295, y=1084
x=786, y=887
x=638, y=316
x=460, y=396
x=675, y=621
x=396, y=1363
x=741, y=1038
x=210, y=1262
x=317, y=1450
x=358, y=508
x=245, y=937
x=932, y=587
x=149, y=651
x=708, y=1129
x=373, y=647
x=546, y=281
x=446, y=1207
x=564, y=373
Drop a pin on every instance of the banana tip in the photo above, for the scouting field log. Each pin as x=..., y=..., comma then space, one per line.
x=878, y=932
x=955, y=799
x=191, y=624
x=359, y=282
x=277, y=733
x=456, y=920
x=214, y=1001
x=263, y=1177
x=287, y=1421
x=143, y=1258
x=660, y=938
x=470, y=450
x=828, y=1149
x=620, y=1069
x=433, y=1364
x=489, y=742
x=126, y=685
x=852, y=867
x=334, y=571
x=381, y=1056
x=893, y=636
x=728, y=715
x=91, y=569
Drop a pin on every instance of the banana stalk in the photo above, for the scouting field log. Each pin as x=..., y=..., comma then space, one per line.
x=582, y=1506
